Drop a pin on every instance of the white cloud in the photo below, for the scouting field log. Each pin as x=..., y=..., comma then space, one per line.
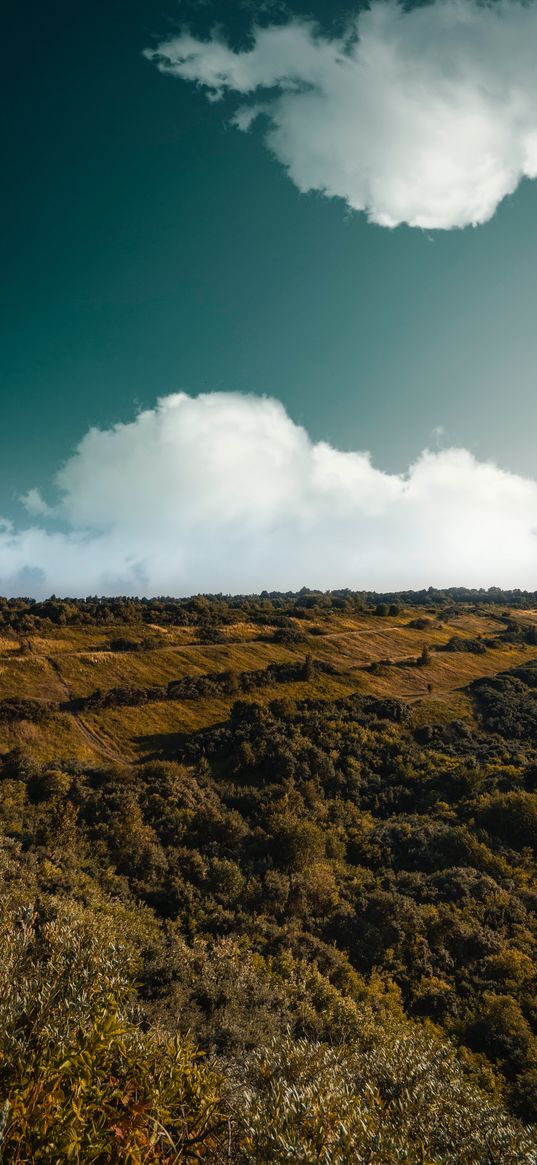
x=425, y=116
x=36, y=505
x=225, y=492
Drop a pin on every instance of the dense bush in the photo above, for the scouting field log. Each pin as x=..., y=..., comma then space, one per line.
x=403, y=1101
x=80, y=1080
x=325, y=830
x=332, y=900
x=84, y=1077
x=17, y=708
x=198, y=687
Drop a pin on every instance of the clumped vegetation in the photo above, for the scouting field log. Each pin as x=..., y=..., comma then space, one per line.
x=81, y=1079
x=212, y=611
x=303, y=932
x=194, y=687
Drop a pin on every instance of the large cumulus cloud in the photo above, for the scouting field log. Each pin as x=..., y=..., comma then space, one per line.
x=425, y=116
x=225, y=492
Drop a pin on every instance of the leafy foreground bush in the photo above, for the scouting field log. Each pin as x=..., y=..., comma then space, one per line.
x=79, y=1078
x=83, y=1078
x=405, y=1102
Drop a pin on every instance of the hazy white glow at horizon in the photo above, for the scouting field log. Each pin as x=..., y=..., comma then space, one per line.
x=224, y=492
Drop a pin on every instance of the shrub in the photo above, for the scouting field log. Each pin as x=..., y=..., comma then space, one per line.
x=79, y=1078
x=402, y=1101
x=16, y=708
x=289, y=636
x=512, y=817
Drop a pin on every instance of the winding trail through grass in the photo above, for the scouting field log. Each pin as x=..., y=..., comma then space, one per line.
x=94, y=739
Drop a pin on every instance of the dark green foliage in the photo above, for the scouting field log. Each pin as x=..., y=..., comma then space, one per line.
x=17, y=708
x=210, y=613
x=304, y=826
x=336, y=904
x=80, y=1080
x=122, y=643
x=288, y=636
x=511, y=817
x=210, y=634
x=189, y=687
x=474, y=646
x=508, y=703
x=86, y=1075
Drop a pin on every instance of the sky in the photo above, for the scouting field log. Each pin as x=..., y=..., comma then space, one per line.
x=310, y=232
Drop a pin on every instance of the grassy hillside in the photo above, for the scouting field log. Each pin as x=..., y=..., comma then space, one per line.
x=268, y=873
x=367, y=653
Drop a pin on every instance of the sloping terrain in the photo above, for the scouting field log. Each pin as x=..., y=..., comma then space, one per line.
x=363, y=652
x=298, y=833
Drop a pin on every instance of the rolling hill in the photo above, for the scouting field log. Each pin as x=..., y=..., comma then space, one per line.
x=268, y=879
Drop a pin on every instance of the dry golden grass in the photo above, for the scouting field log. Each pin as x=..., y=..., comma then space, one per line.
x=73, y=661
x=8, y=644
x=29, y=676
x=448, y=673
x=58, y=738
x=86, y=671
x=134, y=730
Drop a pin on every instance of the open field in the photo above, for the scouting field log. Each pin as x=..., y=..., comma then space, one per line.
x=366, y=653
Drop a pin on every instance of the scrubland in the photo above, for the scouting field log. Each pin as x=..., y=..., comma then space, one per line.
x=268, y=879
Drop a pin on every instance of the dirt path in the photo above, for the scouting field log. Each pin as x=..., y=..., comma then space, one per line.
x=97, y=742
x=91, y=737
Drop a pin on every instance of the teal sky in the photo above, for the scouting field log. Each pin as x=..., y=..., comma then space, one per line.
x=152, y=247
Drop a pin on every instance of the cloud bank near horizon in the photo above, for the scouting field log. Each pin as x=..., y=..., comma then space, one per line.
x=425, y=116
x=224, y=492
